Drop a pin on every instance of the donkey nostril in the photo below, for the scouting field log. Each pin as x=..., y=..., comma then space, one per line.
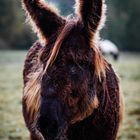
x=54, y=124
x=48, y=127
x=52, y=127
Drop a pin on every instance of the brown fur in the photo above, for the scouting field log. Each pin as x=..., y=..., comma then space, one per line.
x=32, y=94
x=32, y=89
x=69, y=74
x=122, y=109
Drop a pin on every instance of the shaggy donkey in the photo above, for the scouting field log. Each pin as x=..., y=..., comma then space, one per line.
x=70, y=90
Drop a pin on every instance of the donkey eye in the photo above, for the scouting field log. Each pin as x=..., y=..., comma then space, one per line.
x=74, y=94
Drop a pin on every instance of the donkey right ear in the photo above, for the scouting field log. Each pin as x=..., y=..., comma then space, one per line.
x=45, y=20
x=91, y=13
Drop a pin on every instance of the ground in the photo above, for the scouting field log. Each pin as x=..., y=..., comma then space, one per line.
x=11, y=121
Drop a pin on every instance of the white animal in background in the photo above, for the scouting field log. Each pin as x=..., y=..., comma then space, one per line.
x=109, y=48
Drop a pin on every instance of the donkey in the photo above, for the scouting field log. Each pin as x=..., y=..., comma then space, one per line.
x=70, y=91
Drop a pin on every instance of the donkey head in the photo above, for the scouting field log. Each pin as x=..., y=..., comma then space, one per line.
x=48, y=23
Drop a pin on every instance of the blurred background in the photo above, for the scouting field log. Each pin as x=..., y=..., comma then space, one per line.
x=122, y=29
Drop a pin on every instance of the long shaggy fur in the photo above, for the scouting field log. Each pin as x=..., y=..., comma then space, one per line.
x=70, y=90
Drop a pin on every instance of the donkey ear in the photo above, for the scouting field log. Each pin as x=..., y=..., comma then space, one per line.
x=45, y=20
x=91, y=13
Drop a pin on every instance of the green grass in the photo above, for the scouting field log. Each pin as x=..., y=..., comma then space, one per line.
x=11, y=121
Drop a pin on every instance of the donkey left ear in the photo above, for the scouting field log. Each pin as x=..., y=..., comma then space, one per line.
x=92, y=14
x=45, y=20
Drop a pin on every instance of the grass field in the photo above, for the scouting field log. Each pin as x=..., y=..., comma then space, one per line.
x=11, y=120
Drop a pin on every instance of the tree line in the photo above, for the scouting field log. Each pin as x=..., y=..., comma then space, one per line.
x=14, y=33
x=122, y=25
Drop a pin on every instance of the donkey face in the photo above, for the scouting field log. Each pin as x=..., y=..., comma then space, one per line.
x=64, y=102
